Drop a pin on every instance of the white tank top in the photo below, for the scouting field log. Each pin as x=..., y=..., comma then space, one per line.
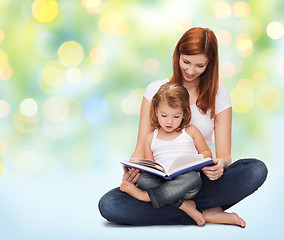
x=164, y=151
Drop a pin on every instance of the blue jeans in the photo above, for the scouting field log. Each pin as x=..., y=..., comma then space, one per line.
x=239, y=180
x=173, y=192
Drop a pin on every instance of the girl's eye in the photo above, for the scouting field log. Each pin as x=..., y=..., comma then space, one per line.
x=176, y=116
x=201, y=66
x=163, y=115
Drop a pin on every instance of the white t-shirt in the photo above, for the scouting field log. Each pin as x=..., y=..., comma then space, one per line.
x=202, y=121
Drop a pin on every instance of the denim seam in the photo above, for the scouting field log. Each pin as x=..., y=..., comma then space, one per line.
x=152, y=198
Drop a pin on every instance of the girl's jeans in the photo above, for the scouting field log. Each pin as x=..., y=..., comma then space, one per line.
x=239, y=180
x=162, y=192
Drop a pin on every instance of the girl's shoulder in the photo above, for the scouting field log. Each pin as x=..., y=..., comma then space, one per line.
x=192, y=130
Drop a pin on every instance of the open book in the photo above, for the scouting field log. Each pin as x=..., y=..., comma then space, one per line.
x=185, y=163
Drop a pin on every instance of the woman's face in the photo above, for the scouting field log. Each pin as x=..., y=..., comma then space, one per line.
x=192, y=66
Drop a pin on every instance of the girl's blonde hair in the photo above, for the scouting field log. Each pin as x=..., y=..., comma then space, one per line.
x=176, y=96
x=200, y=41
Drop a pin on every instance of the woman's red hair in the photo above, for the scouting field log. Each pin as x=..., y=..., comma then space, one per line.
x=200, y=41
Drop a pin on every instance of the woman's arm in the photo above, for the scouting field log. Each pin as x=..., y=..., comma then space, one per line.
x=199, y=141
x=222, y=133
x=144, y=129
x=148, y=151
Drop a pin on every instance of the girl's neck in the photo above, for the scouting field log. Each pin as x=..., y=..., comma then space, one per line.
x=167, y=136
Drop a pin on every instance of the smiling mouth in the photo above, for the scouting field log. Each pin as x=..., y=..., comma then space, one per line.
x=189, y=75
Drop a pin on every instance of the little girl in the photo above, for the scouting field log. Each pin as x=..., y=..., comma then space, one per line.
x=173, y=137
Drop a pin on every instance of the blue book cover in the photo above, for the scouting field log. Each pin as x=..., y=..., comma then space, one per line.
x=182, y=164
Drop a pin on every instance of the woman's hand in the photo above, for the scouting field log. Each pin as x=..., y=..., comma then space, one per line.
x=130, y=175
x=216, y=171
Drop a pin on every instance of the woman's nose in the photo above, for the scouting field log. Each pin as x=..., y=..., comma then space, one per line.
x=190, y=69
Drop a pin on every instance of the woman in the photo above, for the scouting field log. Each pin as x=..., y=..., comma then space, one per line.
x=195, y=66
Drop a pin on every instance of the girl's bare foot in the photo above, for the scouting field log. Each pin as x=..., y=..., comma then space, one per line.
x=134, y=191
x=217, y=215
x=189, y=207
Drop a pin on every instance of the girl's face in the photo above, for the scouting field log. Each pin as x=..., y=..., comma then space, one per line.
x=169, y=118
x=192, y=66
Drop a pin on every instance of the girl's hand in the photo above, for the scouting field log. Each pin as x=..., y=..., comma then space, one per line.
x=216, y=171
x=130, y=175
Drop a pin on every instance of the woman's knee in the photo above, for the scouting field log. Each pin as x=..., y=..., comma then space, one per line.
x=108, y=204
x=259, y=171
x=253, y=169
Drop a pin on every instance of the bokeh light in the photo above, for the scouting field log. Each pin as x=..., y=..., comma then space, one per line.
x=96, y=111
x=52, y=76
x=228, y=69
x=151, y=66
x=183, y=24
x=3, y=148
x=93, y=6
x=224, y=37
x=26, y=124
x=222, y=10
x=275, y=30
x=244, y=45
x=73, y=76
x=5, y=109
x=2, y=36
x=56, y=109
x=113, y=23
x=6, y=70
x=98, y=55
x=241, y=9
x=131, y=104
x=45, y=11
x=70, y=54
x=268, y=98
x=29, y=107
x=242, y=100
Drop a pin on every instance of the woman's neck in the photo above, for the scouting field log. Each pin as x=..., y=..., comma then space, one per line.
x=192, y=91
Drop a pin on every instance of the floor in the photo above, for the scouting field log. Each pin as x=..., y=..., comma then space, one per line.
x=64, y=206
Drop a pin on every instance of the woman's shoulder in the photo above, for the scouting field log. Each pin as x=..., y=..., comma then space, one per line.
x=153, y=87
x=223, y=99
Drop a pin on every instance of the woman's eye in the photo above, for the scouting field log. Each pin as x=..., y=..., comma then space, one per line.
x=176, y=116
x=201, y=66
x=163, y=115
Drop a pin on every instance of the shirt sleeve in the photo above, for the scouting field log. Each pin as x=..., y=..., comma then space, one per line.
x=152, y=88
x=223, y=100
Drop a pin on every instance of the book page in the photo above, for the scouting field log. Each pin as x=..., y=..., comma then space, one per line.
x=184, y=162
x=148, y=163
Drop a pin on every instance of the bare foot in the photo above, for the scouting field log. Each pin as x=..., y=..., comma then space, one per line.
x=217, y=215
x=134, y=191
x=189, y=207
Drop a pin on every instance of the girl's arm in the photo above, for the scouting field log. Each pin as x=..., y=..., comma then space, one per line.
x=199, y=141
x=222, y=132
